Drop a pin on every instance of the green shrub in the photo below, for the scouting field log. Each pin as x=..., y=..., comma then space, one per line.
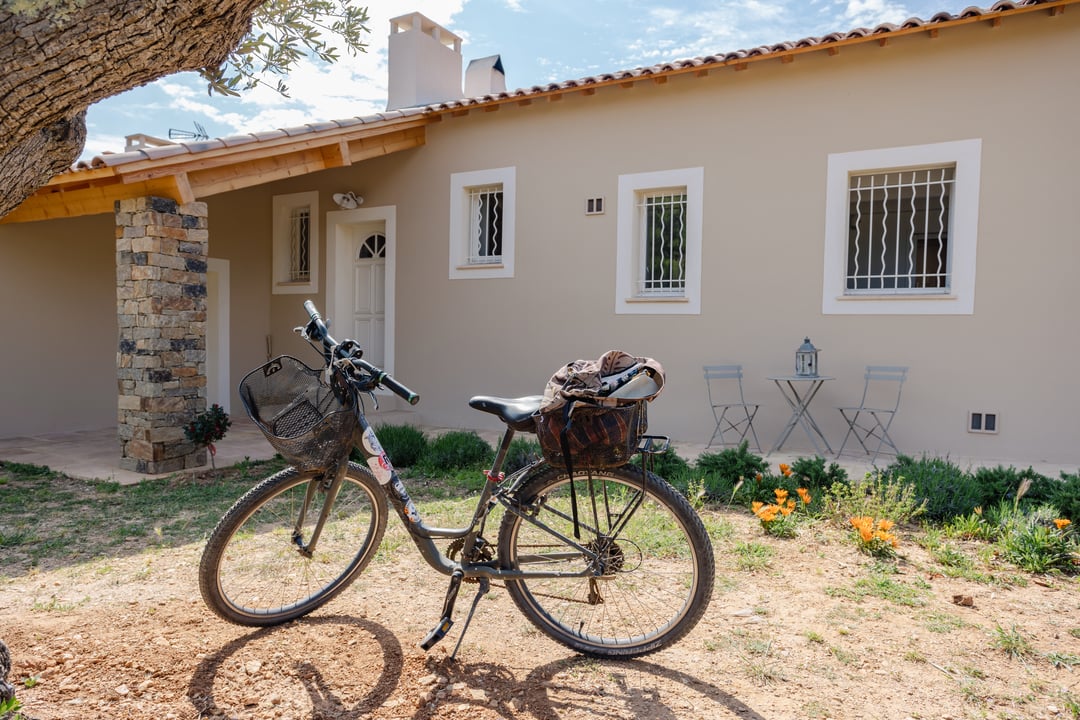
x=944, y=489
x=522, y=452
x=404, y=444
x=876, y=495
x=1039, y=549
x=811, y=473
x=722, y=470
x=762, y=487
x=670, y=466
x=1001, y=483
x=732, y=463
x=1065, y=496
x=456, y=450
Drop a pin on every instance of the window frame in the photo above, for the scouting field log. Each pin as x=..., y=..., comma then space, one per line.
x=629, y=242
x=965, y=157
x=283, y=207
x=460, y=186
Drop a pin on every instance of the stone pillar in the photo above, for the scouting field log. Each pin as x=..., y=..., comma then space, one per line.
x=161, y=308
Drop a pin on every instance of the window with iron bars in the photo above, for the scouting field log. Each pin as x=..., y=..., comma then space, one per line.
x=898, y=232
x=662, y=223
x=485, y=225
x=300, y=244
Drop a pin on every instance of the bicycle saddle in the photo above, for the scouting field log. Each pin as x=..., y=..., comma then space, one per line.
x=515, y=412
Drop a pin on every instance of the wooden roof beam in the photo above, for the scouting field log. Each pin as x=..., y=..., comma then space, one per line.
x=97, y=198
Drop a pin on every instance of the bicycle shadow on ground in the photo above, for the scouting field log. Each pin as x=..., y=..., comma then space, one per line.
x=615, y=689
x=254, y=668
x=351, y=668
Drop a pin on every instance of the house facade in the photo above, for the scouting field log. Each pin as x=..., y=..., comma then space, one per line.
x=900, y=195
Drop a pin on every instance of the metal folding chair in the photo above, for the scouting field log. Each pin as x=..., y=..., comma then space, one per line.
x=869, y=421
x=722, y=381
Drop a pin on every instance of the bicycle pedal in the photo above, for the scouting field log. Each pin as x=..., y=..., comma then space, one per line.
x=437, y=634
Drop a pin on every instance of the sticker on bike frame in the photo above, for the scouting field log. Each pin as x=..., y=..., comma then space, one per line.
x=380, y=468
x=377, y=459
x=406, y=502
x=371, y=443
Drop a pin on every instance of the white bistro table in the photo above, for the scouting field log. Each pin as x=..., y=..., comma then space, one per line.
x=799, y=402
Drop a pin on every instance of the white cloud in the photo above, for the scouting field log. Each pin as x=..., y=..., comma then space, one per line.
x=873, y=12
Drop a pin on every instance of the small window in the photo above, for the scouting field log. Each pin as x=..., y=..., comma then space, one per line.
x=898, y=232
x=901, y=227
x=659, y=230
x=983, y=422
x=300, y=244
x=482, y=224
x=296, y=243
x=662, y=223
x=373, y=247
x=485, y=225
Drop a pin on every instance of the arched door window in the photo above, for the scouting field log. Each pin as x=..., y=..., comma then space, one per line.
x=373, y=247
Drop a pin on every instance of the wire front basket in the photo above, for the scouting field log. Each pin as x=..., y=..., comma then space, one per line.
x=299, y=414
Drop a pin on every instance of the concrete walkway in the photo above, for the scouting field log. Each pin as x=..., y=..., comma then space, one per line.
x=94, y=454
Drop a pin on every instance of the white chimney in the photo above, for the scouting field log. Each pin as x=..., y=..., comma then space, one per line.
x=485, y=76
x=424, y=63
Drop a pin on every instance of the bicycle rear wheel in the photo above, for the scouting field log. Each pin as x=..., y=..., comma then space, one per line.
x=254, y=570
x=649, y=566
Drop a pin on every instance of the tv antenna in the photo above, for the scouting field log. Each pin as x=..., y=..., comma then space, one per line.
x=198, y=134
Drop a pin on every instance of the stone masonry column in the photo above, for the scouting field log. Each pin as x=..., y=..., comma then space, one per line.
x=161, y=308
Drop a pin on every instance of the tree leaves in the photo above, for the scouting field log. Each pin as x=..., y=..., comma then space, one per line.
x=283, y=33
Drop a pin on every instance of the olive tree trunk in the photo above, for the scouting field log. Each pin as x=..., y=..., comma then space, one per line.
x=60, y=56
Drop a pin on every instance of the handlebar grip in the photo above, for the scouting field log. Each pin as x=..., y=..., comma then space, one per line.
x=400, y=390
x=321, y=331
x=383, y=378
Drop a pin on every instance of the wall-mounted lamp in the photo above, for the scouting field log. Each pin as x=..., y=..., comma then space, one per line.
x=348, y=201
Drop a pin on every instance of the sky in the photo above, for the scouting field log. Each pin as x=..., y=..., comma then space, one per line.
x=539, y=41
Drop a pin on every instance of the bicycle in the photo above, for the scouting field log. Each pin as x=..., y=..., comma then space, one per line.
x=611, y=563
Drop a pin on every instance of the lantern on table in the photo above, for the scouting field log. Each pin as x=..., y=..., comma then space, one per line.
x=806, y=362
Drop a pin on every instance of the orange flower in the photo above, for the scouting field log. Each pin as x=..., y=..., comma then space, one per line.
x=756, y=505
x=787, y=507
x=785, y=469
x=758, y=477
x=862, y=522
x=804, y=495
x=767, y=513
x=885, y=525
x=781, y=495
x=1062, y=523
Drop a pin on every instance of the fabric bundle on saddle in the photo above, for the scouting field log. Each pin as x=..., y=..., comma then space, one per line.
x=593, y=412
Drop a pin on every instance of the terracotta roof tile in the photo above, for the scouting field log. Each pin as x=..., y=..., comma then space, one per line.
x=153, y=153
x=234, y=140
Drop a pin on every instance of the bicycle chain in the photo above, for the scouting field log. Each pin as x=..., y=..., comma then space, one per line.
x=486, y=554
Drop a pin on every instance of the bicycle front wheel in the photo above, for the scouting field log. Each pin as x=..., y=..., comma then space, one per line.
x=257, y=568
x=644, y=558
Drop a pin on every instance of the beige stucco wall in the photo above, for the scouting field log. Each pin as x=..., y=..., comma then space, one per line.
x=58, y=313
x=763, y=136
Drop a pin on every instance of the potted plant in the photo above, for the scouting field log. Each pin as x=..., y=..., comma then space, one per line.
x=207, y=428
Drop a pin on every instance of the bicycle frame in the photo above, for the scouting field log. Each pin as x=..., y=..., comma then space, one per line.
x=424, y=536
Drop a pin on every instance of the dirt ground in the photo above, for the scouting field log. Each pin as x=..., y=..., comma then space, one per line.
x=130, y=638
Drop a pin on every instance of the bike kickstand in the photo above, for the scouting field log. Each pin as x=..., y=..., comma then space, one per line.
x=484, y=587
x=447, y=612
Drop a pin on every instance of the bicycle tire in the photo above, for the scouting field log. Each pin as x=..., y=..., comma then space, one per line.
x=253, y=573
x=657, y=578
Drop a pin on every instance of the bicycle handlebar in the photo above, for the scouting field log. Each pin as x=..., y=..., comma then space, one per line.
x=317, y=331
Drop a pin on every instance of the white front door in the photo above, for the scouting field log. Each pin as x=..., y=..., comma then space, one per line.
x=218, y=386
x=369, y=296
x=360, y=279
